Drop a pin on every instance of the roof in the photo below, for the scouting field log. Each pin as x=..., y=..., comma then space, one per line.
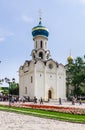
x=40, y=30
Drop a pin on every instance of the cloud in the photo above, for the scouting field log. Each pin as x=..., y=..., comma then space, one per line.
x=2, y=39
x=27, y=19
x=4, y=34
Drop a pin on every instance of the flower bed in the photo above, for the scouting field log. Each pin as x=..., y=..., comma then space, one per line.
x=71, y=110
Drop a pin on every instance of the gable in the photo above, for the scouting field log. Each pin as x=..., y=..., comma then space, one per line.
x=40, y=65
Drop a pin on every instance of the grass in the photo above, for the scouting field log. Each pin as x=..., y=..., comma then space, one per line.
x=45, y=114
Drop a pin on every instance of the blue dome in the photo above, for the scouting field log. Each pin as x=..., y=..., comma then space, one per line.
x=40, y=31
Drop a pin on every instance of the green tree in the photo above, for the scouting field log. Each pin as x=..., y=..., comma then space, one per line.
x=14, y=89
x=13, y=86
x=76, y=75
x=1, y=81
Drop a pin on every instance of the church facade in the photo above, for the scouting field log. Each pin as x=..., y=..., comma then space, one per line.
x=42, y=76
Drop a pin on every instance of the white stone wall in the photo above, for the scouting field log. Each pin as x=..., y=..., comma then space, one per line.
x=39, y=86
x=61, y=82
x=43, y=80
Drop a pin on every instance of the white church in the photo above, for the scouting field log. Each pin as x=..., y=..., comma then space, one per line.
x=42, y=76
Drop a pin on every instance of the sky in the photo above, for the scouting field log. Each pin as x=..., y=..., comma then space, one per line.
x=65, y=20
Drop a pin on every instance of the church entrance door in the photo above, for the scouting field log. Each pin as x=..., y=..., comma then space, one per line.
x=49, y=94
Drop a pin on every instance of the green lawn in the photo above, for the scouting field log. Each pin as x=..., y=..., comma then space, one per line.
x=45, y=114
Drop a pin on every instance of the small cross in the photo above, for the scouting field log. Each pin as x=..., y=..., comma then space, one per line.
x=40, y=14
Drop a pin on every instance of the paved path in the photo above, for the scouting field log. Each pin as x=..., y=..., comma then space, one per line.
x=13, y=121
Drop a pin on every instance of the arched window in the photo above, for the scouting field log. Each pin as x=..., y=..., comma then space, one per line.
x=45, y=44
x=25, y=90
x=41, y=44
x=36, y=44
x=41, y=55
x=31, y=79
